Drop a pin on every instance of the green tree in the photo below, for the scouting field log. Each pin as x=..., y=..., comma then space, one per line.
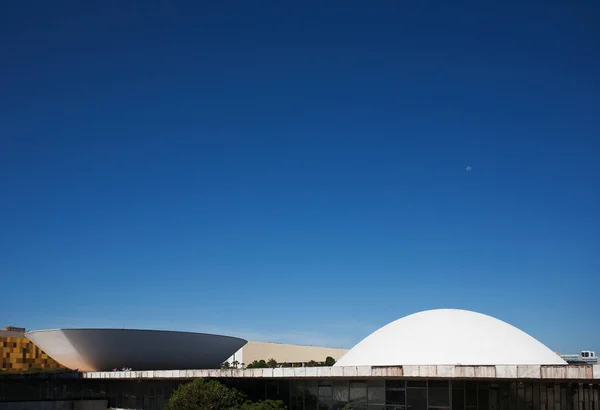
x=329, y=361
x=258, y=364
x=272, y=363
x=201, y=394
x=263, y=405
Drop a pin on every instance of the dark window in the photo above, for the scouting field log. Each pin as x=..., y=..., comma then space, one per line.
x=395, y=397
x=439, y=394
x=471, y=395
x=483, y=401
x=395, y=392
x=395, y=384
x=297, y=395
x=311, y=394
x=416, y=399
x=458, y=396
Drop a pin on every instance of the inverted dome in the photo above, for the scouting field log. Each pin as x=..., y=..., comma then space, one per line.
x=449, y=337
x=104, y=349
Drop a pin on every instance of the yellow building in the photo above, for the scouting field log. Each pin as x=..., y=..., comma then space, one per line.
x=17, y=353
x=293, y=355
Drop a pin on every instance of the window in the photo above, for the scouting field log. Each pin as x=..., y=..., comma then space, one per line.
x=439, y=394
x=297, y=395
x=325, y=395
x=395, y=397
x=483, y=399
x=358, y=392
x=311, y=394
x=340, y=393
x=458, y=395
x=471, y=396
x=375, y=392
x=395, y=384
x=416, y=399
x=395, y=392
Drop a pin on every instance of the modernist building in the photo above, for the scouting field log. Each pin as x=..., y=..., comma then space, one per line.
x=286, y=354
x=449, y=337
x=90, y=350
x=18, y=353
x=434, y=360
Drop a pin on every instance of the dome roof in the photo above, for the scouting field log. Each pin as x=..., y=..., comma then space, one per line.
x=449, y=337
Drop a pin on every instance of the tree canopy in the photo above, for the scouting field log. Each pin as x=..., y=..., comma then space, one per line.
x=264, y=405
x=201, y=394
x=204, y=394
x=272, y=363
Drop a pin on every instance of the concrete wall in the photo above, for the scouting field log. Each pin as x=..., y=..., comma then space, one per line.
x=56, y=405
x=284, y=353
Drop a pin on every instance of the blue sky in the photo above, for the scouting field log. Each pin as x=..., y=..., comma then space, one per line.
x=296, y=171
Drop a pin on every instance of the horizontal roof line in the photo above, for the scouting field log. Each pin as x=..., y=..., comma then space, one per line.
x=514, y=372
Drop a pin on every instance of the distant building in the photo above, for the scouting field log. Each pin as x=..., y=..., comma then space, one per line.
x=585, y=357
x=291, y=355
x=13, y=329
x=17, y=353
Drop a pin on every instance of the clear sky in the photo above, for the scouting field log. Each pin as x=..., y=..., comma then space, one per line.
x=296, y=171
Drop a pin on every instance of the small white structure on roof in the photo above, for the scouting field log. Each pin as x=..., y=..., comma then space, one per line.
x=449, y=337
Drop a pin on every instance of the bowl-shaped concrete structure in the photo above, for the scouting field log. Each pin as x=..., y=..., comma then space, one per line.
x=107, y=349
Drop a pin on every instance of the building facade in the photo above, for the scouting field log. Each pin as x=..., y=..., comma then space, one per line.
x=287, y=354
x=408, y=388
x=17, y=353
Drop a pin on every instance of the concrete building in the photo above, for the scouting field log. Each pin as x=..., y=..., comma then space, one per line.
x=18, y=353
x=288, y=354
x=585, y=356
x=106, y=349
x=434, y=360
x=449, y=337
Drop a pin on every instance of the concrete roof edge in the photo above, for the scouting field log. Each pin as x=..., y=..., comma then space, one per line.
x=513, y=372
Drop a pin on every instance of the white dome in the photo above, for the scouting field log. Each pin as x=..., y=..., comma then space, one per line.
x=449, y=337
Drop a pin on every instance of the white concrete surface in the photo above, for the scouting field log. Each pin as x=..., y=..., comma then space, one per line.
x=449, y=337
x=565, y=372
